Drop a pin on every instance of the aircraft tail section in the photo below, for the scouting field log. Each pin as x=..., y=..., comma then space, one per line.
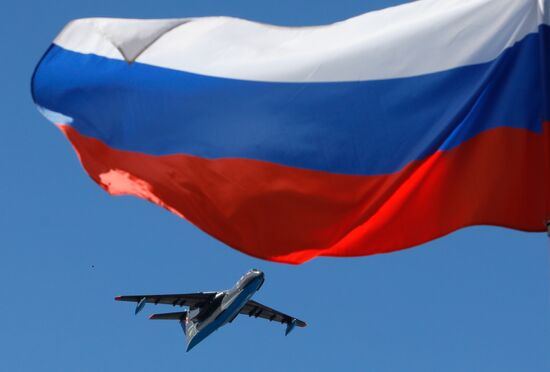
x=181, y=316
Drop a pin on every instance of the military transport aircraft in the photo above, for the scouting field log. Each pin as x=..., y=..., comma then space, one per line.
x=208, y=311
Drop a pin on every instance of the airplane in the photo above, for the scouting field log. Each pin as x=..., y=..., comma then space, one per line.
x=208, y=311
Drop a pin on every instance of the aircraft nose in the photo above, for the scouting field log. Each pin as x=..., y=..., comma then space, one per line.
x=258, y=273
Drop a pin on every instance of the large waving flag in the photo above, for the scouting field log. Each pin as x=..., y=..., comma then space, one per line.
x=369, y=135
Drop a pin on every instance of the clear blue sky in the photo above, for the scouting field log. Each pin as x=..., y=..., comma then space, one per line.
x=477, y=300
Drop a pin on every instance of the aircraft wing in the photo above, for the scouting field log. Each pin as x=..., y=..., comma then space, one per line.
x=185, y=299
x=256, y=309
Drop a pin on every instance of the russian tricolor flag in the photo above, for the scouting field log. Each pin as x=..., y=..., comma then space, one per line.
x=365, y=136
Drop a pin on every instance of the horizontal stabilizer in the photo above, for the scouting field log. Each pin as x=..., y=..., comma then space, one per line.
x=170, y=316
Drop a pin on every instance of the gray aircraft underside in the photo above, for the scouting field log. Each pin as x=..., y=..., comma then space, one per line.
x=208, y=311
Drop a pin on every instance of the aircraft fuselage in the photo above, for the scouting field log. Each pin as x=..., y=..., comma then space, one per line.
x=225, y=306
x=208, y=311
